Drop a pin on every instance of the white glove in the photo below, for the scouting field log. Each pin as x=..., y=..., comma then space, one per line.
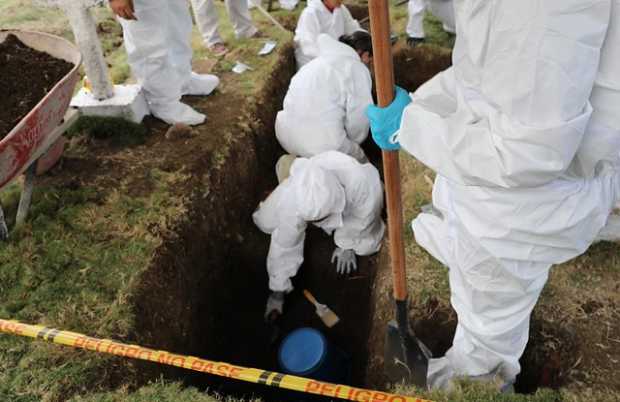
x=345, y=260
x=275, y=306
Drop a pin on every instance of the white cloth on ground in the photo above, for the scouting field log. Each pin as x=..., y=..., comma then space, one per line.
x=335, y=191
x=207, y=19
x=520, y=186
x=315, y=20
x=324, y=108
x=442, y=9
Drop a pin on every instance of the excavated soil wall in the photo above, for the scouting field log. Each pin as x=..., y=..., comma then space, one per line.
x=205, y=294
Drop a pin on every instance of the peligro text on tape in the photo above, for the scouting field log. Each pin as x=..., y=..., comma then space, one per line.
x=257, y=376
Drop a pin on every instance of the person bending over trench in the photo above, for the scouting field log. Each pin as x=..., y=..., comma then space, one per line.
x=330, y=17
x=526, y=146
x=324, y=108
x=333, y=192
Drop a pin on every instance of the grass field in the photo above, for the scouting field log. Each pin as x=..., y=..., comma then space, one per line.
x=75, y=264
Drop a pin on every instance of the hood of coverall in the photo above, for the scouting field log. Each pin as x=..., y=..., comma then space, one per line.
x=319, y=195
x=330, y=47
x=318, y=4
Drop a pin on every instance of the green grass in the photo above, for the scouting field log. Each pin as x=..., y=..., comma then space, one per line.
x=118, y=131
x=73, y=265
x=474, y=392
x=157, y=392
x=435, y=35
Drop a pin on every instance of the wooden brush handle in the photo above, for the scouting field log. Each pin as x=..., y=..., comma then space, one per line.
x=310, y=298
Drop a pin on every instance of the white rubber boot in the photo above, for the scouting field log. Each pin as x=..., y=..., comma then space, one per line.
x=201, y=84
x=177, y=112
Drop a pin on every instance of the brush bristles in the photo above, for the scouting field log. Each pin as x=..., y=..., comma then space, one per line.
x=330, y=319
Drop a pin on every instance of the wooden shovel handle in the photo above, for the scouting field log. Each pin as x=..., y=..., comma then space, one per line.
x=384, y=78
x=310, y=297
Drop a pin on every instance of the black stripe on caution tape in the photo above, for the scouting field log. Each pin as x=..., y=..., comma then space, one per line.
x=42, y=333
x=277, y=380
x=52, y=335
x=264, y=377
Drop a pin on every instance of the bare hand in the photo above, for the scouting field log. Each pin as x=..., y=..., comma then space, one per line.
x=123, y=8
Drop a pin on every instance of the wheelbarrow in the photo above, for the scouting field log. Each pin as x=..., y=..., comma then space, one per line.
x=36, y=142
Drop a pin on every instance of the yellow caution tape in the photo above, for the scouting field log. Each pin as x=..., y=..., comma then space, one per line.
x=253, y=375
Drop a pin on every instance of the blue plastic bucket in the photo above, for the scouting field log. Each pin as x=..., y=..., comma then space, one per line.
x=305, y=352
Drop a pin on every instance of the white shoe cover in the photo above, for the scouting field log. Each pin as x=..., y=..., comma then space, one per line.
x=177, y=112
x=201, y=84
x=611, y=230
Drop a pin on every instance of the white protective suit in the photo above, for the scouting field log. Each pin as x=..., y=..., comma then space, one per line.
x=334, y=192
x=527, y=173
x=315, y=20
x=159, y=53
x=324, y=108
x=207, y=18
x=289, y=4
x=442, y=9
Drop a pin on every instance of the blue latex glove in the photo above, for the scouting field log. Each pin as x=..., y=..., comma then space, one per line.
x=385, y=122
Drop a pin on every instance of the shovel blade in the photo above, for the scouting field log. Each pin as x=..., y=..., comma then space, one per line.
x=405, y=359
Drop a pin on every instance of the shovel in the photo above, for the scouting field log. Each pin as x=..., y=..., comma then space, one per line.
x=406, y=358
x=326, y=315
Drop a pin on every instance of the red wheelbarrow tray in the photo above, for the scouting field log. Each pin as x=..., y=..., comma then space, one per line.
x=35, y=134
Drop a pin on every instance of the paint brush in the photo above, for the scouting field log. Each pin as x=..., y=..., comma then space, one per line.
x=326, y=315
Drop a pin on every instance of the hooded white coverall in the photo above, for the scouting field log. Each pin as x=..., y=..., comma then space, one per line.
x=324, y=108
x=524, y=134
x=442, y=9
x=159, y=53
x=315, y=20
x=334, y=192
x=207, y=18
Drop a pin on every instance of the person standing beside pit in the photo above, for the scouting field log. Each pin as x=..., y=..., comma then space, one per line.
x=207, y=17
x=321, y=16
x=157, y=36
x=524, y=134
x=442, y=9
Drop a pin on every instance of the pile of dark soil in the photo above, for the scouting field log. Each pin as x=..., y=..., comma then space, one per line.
x=26, y=76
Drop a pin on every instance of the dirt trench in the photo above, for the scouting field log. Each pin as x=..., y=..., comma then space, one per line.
x=205, y=294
